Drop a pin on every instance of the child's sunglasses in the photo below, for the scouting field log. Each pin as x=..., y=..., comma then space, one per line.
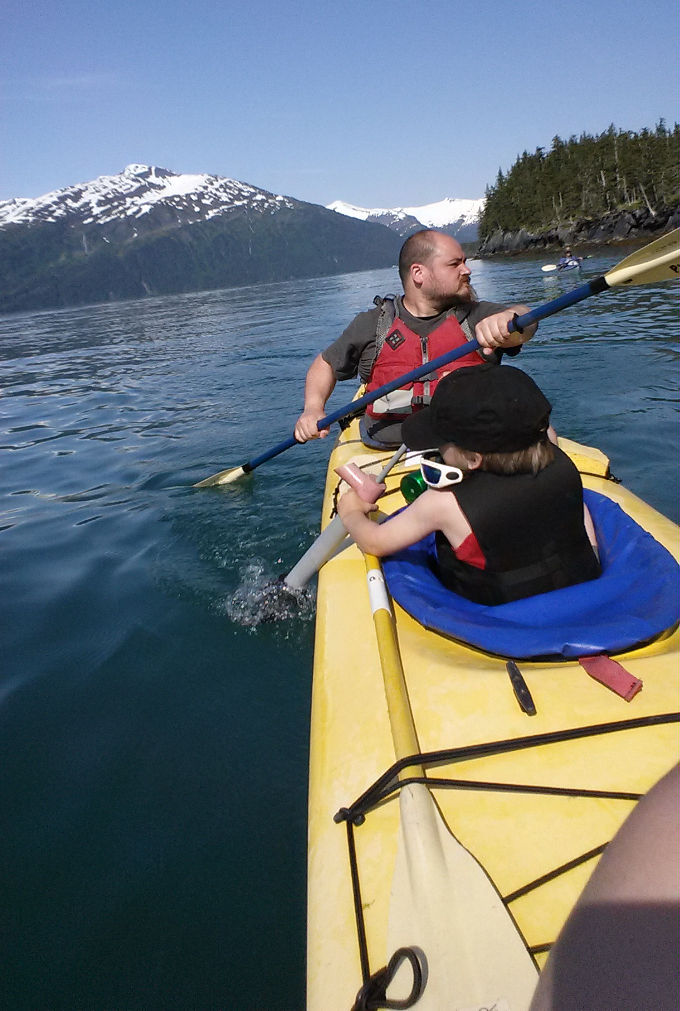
x=438, y=474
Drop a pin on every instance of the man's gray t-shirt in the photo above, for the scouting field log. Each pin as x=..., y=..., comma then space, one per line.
x=353, y=352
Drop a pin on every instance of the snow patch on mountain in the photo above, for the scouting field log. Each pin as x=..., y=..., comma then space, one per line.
x=134, y=192
x=461, y=213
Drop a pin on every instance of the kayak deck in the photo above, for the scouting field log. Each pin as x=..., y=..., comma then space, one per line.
x=535, y=817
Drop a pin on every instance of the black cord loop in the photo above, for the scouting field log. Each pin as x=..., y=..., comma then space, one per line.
x=373, y=994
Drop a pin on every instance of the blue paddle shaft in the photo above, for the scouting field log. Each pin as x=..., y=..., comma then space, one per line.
x=357, y=406
x=593, y=287
x=518, y=324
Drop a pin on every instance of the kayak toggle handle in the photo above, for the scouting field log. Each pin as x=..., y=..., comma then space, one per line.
x=373, y=993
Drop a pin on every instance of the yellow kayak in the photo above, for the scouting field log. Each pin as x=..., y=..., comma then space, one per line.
x=461, y=885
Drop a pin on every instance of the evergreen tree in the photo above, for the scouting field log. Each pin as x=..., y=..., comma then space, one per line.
x=586, y=177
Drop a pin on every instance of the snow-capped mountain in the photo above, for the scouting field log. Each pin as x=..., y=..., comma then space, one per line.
x=456, y=217
x=150, y=231
x=136, y=192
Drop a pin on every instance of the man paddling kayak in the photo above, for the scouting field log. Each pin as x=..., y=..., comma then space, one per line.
x=437, y=312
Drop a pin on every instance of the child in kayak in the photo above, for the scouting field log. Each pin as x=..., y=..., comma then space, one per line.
x=505, y=503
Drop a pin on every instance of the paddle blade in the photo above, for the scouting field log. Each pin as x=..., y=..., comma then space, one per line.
x=223, y=477
x=444, y=904
x=548, y=267
x=659, y=261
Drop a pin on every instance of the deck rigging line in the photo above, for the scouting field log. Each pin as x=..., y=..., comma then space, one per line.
x=551, y=875
x=388, y=784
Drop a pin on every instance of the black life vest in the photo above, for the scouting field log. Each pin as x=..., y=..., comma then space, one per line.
x=530, y=530
x=402, y=350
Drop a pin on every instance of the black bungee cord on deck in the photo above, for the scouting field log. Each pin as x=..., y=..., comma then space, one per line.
x=372, y=995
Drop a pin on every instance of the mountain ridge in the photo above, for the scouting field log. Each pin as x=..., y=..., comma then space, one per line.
x=134, y=192
x=457, y=217
x=149, y=231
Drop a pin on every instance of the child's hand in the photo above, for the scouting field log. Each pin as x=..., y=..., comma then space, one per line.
x=350, y=502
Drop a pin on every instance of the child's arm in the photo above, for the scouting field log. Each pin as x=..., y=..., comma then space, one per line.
x=424, y=515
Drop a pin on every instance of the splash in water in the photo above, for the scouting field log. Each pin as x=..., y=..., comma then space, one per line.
x=261, y=598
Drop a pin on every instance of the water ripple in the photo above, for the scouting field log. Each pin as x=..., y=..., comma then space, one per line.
x=260, y=599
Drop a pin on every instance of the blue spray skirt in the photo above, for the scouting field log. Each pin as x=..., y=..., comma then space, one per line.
x=632, y=602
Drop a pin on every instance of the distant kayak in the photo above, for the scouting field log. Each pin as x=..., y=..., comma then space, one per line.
x=572, y=263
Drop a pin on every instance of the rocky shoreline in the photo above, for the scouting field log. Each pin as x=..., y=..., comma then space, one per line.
x=618, y=226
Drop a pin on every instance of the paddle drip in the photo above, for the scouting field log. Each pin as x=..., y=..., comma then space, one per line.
x=260, y=599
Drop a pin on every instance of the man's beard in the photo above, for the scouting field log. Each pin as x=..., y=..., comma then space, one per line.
x=452, y=301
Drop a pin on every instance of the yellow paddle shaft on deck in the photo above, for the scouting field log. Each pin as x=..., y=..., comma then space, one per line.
x=469, y=962
x=398, y=705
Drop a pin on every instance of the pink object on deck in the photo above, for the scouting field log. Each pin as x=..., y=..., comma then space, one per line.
x=610, y=673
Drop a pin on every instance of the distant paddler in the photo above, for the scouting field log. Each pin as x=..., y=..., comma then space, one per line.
x=568, y=261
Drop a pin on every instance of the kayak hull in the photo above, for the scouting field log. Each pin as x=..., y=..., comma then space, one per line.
x=534, y=816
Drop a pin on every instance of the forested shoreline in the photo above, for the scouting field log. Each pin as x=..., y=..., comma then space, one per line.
x=616, y=185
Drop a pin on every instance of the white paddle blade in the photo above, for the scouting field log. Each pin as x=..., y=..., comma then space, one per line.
x=548, y=267
x=659, y=261
x=444, y=904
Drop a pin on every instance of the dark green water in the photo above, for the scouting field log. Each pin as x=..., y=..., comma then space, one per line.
x=153, y=734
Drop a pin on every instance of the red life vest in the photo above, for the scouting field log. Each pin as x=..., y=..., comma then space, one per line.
x=403, y=350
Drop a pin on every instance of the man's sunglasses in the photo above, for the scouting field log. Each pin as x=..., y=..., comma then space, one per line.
x=438, y=474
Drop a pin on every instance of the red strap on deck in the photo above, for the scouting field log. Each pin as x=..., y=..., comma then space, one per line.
x=611, y=674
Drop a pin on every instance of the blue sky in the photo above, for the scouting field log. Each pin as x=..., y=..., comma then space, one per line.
x=375, y=103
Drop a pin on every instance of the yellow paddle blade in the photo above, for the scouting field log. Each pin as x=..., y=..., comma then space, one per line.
x=223, y=477
x=442, y=903
x=659, y=261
